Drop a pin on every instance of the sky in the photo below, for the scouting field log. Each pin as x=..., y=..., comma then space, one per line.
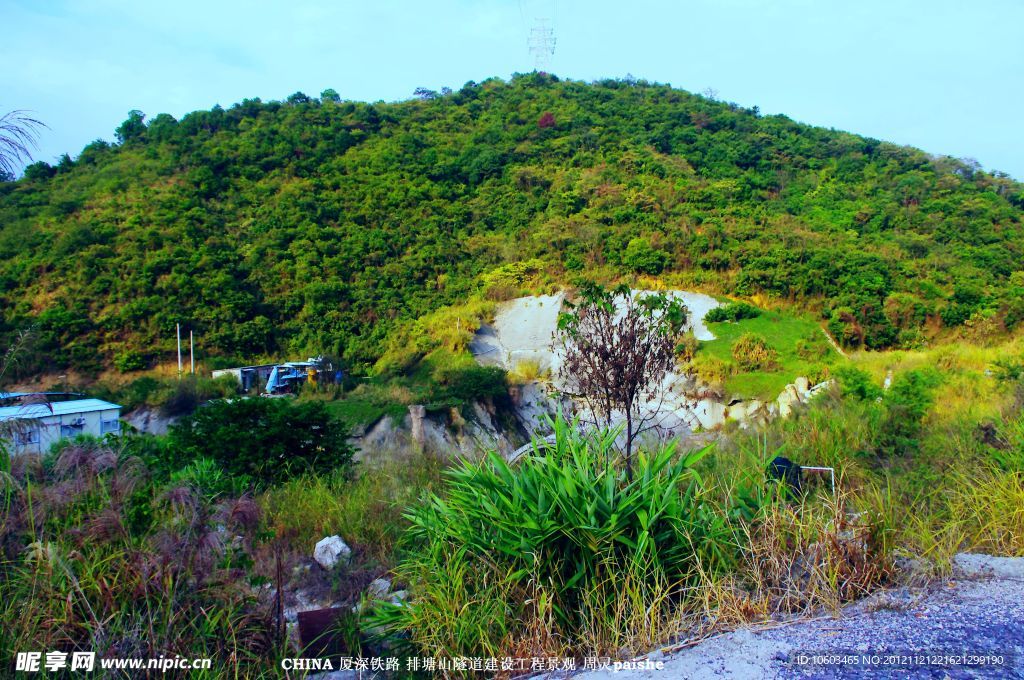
x=946, y=76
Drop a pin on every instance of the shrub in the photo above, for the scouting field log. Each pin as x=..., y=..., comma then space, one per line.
x=207, y=478
x=753, y=353
x=734, y=311
x=857, y=383
x=139, y=392
x=906, y=403
x=469, y=383
x=687, y=348
x=813, y=348
x=713, y=370
x=527, y=371
x=642, y=258
x=565, y=537
x=1006, y=369
x=129, y=360
x=269, y=440
x=182, y=397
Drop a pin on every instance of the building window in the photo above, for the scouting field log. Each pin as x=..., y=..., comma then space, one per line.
x=73, y=429
x=108, y=426
x=26, y=437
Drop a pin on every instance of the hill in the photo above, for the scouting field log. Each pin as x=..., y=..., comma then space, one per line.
x=322, y=225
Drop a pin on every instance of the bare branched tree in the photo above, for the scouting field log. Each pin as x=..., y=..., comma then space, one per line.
x=18, y=135
x=618, y=348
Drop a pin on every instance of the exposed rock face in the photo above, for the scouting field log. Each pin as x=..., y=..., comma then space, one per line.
x=149, y=421
x=416, y=415
x=331, y=550
x=522, y=332
x=481, y=426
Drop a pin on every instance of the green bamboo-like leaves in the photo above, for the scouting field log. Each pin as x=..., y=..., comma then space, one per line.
x=567, y=513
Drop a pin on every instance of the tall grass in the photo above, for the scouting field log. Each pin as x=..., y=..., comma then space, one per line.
x=560, y=554
x=94, y=560
x=564, y=546
x=367, y=511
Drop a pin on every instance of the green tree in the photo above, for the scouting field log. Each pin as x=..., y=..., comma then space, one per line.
x=267, y=440
x=133, y=128
x=642, y=258
x=906, y=402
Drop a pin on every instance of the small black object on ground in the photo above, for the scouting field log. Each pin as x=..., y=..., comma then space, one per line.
x=783, y=470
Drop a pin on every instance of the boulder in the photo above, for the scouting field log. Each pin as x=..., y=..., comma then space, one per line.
x=821, y=387
x=745, y=412
x=331, y=550
x=802, y=385
x=709, y=412
x=787, y=400
x=378, y=589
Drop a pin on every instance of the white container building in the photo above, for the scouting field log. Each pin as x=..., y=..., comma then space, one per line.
x=34, y=428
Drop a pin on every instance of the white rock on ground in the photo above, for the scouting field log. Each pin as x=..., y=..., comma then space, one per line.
x=378, y=588
x=331, y=550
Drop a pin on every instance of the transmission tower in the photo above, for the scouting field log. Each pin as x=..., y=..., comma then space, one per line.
x=542, y=45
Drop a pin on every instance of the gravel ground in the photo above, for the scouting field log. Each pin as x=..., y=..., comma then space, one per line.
x=978, y=612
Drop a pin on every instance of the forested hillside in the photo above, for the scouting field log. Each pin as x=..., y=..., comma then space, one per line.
x=322, y=225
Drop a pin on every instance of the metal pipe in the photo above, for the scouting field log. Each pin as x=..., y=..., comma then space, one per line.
x=831, y=471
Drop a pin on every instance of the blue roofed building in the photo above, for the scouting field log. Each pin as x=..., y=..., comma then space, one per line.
x=34, y=428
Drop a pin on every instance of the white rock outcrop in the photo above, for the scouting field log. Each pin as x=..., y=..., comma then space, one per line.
x=331, y=550
x=523, y=331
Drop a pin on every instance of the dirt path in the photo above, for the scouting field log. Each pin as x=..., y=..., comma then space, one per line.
x=904, y=633
x=835, y=345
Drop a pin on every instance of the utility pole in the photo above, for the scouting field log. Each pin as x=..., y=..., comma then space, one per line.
x=192, y=351
x=179, y=350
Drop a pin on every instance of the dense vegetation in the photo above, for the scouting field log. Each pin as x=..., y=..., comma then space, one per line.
x=262, y=441
x=320, y=225
x=133, y=547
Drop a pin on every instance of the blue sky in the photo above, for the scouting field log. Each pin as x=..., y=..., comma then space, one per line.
x=943, y=75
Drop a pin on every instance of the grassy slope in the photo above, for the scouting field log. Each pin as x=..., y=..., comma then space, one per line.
x=783, y=331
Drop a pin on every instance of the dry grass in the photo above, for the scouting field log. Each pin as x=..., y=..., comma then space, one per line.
x=527, y=371
x=796, y=560
x=366, y=512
